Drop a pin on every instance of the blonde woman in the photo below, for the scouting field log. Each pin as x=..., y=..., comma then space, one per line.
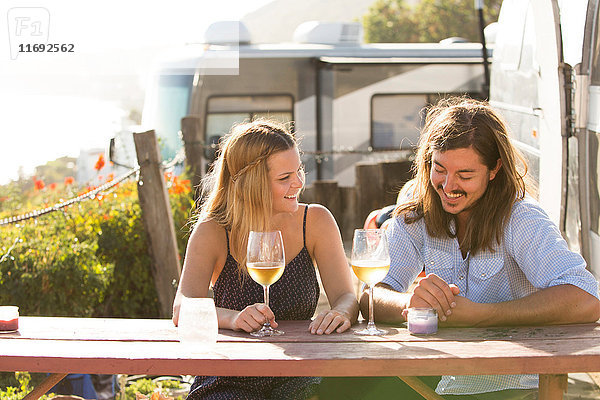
x=254, y=185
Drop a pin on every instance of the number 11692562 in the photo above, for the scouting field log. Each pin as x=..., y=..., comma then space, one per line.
x=46, y=48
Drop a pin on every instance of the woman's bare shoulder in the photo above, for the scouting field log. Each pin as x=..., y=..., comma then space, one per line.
x=319, y=221
x=208, y=231
x=318, y=213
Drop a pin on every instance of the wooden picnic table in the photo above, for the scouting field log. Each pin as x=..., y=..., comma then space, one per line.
x=59, y=345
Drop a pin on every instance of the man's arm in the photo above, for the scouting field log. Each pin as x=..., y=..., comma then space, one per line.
x=562, y=304
x=388, y=304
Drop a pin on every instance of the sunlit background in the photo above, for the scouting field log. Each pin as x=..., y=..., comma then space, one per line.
x=58, y=105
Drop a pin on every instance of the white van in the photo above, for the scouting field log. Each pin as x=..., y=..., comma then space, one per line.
x=545, y=80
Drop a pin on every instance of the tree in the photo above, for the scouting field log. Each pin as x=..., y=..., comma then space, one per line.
x=427, y=21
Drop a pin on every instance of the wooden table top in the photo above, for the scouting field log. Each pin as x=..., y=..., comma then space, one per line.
x=144, y=346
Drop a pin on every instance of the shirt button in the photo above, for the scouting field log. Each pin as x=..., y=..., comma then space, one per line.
x=461, y=277
x=483, y=275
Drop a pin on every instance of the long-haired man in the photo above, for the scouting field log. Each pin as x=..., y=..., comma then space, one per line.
x=491, y=255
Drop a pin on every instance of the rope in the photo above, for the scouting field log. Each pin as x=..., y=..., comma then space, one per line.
x=58, y=206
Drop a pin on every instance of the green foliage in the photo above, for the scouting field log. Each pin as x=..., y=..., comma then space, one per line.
x=123, y=244
x=90, y=259
x=53, y=269
x=57, y=170
x=428, y=21
x=390, y=21
x=147, y=386
x=23, y=380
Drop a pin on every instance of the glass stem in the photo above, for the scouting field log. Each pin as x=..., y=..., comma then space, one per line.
x=371, y=324
x=267, y=324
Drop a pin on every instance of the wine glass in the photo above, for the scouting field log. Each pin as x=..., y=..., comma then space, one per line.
x=265, y=262
x=370, y=262
x=198, y=326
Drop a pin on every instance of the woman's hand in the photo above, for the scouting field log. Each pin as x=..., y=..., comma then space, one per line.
x=253, y=317
x=328, y=321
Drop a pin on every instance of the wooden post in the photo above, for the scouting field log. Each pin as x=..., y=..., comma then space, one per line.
x=552, y=386
x=394, y=174
x=378, y=184
x=327, y=193
x=418, y=386
x=369, y=189
x=158, y=221
x=43, y=387
x=194, y=148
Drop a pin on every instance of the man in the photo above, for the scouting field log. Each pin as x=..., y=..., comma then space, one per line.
x=491, y=255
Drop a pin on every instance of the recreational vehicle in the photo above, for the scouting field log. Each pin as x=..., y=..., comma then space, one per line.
x=348, y=101
x=545, y=80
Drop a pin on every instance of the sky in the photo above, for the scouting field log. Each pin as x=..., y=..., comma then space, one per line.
x=53, y=104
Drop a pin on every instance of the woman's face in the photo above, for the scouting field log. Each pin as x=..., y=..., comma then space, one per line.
x=286, y=174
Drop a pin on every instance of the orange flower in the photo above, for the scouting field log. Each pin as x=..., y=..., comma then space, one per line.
x=100, y=163
x=69, y=180
x=179, y=186
x=52, y=186
x=110, y=177
x=39, y=184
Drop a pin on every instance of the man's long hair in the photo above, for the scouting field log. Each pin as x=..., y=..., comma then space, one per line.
x=237, y=190
x=458, y=123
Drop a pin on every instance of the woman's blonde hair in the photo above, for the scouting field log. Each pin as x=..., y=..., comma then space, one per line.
x=237, y=189
x=457, y=123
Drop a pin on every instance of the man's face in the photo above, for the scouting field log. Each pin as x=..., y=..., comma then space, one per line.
x=460, y=178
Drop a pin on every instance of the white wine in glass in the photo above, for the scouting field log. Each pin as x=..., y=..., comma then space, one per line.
x=370, y=262
x=265, y=262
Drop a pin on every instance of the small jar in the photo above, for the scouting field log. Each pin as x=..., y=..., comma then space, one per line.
x=422, y=321
x=9, y=318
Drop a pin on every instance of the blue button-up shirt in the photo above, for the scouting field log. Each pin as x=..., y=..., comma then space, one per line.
x=532, y=256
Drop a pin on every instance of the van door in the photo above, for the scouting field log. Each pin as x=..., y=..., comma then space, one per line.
x=526, y=88
x=588, y=124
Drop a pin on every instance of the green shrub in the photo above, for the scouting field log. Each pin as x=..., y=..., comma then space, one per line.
x=23, y=380
x=91, y=259
x=147, y=386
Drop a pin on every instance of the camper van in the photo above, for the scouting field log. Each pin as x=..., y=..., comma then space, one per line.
x=348, y=101
x=545, y=80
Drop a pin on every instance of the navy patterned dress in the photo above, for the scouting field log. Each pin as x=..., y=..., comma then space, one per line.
x=293, y=297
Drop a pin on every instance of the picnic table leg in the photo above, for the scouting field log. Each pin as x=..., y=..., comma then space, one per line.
x=552, y=386
x=44, y=386
x=418, y=386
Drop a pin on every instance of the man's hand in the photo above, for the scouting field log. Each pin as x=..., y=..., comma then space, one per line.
x=433, y=292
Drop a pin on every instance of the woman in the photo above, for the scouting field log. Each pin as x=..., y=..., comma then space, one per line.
x=254, y=185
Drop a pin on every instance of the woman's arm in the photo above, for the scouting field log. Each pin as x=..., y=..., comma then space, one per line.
x=206, y=253
x=325, y=246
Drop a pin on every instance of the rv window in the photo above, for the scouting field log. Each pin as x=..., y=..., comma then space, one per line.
x=220, y=124
x=250, y=103
x=226, y=111
x=396, y=120
x=284, y=117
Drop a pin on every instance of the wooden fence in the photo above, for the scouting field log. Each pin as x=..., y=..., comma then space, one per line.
x=377, y=186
